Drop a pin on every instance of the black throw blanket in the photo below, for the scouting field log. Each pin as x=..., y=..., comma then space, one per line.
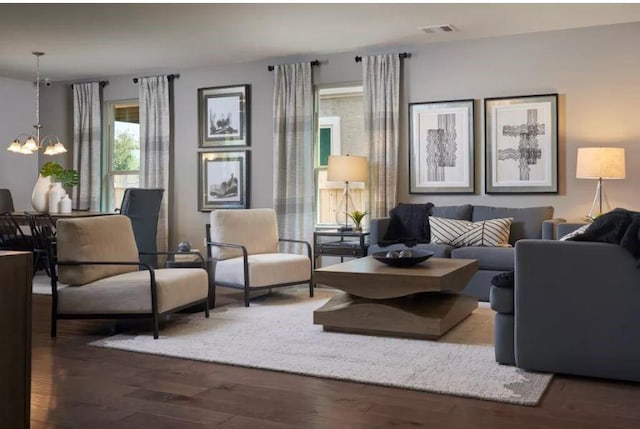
x=620, y=226
x=409, y=225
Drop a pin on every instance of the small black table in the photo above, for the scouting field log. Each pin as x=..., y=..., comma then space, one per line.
x=354, y=244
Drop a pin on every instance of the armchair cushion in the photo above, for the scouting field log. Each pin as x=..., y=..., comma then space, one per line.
x=265, y=269
x=104, y=239
x=131, y=292
x=256, y=229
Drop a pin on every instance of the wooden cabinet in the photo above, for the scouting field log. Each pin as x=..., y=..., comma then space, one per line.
x=15, y=339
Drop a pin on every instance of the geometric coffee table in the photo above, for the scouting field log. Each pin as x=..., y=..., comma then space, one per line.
x=422, y=301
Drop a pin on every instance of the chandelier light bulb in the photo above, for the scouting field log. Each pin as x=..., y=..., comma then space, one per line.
x=50, y=150
x=59, y=148
x=25, y=150
x=31, y=144
x=15, y=146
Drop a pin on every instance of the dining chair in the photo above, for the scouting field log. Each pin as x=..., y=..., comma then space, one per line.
x=142, y=206
x=43, y=235
x=6, y=201
x=11, y=236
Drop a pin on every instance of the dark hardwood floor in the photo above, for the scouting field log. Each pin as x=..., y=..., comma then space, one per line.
x=77, y=386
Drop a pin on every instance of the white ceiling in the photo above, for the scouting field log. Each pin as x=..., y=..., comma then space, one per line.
x=100, y=40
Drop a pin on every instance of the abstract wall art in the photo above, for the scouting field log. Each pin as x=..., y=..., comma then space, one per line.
x=521, y=144
x=441, y=147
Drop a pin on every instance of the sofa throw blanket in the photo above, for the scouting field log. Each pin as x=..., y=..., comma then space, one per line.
x=620, y=226
x=408, y=225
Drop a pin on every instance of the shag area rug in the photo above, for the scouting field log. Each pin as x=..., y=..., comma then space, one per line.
x=277, y=333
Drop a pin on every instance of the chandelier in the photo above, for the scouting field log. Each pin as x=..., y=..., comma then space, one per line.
x=51, y=144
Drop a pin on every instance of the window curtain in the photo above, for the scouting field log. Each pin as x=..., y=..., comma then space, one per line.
x=381, y=86
x=87, y=145
x=155, y=145
x=293, y=150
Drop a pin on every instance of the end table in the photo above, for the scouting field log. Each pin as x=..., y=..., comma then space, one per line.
x=354, y=244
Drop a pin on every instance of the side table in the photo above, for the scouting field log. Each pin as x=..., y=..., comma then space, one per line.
x=354, y=244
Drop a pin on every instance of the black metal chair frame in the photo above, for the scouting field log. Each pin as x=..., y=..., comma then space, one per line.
x=245, y=255
x=154, y=315
x=43, y=234
x=11, y=235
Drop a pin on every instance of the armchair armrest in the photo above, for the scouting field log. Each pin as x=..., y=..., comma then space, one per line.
x=576, y=308
x=550, y=228
x=377, y=229
x=306, y=243
x=245, y=254
x=202, y=261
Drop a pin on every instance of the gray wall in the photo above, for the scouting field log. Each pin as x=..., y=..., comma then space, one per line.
x=17, y=115
x=596, y=71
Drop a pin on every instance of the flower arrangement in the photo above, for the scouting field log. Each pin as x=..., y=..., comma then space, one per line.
x=68, y=178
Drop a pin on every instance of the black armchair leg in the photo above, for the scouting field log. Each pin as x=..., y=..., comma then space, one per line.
x=206, y=309
x=54, y=325
x=311, y=289
x=155, y=326
x=246, y=296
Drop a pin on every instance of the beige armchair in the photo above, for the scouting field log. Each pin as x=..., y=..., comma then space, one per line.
x=99, y=260
x=243, y=252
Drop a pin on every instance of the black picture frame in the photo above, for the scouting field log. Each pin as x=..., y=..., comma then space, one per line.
x=224, y=116
x=429, y=167
x=521, y=117
x=223, y=180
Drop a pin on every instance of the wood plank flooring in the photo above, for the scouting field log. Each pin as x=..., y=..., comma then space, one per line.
x=77, y=386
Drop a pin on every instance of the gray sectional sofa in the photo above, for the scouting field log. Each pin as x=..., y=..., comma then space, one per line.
x=573, y=309
x=532, y=222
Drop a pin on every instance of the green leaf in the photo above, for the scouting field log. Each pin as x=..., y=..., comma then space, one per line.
x=51, y=168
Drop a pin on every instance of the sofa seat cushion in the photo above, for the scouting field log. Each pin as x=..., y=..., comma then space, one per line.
x=265, y=269
x=439, y=250
x=501, y=299
x=131, y=292
x=489, y=258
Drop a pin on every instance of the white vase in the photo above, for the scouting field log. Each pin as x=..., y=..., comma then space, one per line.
x=65, y=204
x=55, y=195
x=40, y=194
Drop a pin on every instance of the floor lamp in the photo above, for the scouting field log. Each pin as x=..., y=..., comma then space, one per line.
x=600, y=163
x=347, y=169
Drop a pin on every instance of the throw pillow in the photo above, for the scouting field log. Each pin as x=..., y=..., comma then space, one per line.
x=409, y=222
x=458, y=233
x=578, y=231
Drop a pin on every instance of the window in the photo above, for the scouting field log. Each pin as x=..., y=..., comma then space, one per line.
x=340, y=113
x=122, y=152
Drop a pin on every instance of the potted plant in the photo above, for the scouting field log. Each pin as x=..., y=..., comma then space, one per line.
x=356, y=216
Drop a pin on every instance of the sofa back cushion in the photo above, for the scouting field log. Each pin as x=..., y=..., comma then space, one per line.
x=461, y=212
x=527, y=222
x=256, y=229
x=93, y=239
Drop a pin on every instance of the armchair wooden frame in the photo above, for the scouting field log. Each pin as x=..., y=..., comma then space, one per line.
x=245, y=255
x=154, y=315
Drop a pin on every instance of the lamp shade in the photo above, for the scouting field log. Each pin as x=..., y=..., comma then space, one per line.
x=600, y=163
x=348, y=168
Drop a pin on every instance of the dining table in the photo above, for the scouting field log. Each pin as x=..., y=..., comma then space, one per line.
x=22, y=217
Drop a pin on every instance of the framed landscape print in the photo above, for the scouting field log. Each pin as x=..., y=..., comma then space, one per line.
x=521, y=144
x=441, y=147
x=223, y=115
x=223, y=180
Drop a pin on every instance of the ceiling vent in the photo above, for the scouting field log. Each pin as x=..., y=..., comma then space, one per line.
x=433, y=29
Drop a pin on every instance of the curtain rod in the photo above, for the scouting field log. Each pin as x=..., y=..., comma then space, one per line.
x=402, y=56
x=313, y=64
x=169, y=77
x=102, y=83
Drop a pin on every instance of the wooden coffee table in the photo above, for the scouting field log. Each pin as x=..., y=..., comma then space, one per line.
x=422, y=301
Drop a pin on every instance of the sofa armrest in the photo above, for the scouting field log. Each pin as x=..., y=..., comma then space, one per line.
x=550, y=228
x=567, y=228
x=576, y=309
x=377, y=229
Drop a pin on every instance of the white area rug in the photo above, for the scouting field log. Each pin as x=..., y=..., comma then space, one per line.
x=277, y=333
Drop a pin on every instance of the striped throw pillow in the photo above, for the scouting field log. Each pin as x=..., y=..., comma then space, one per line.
x=459, y=233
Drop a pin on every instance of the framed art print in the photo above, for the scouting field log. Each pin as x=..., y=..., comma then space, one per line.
x=521, y=144
x=223, y=180
x=223, y=116
x=441, y=147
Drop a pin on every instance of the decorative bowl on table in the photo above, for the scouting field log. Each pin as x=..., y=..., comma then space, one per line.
x=403, y=258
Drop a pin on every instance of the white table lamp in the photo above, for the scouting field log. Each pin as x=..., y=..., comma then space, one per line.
x=600, y=163
x=347, y=168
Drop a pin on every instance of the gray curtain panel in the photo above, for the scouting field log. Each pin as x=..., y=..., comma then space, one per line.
x=381, y=82
x=87, y=145
x=293, y=150
x=155, y=144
